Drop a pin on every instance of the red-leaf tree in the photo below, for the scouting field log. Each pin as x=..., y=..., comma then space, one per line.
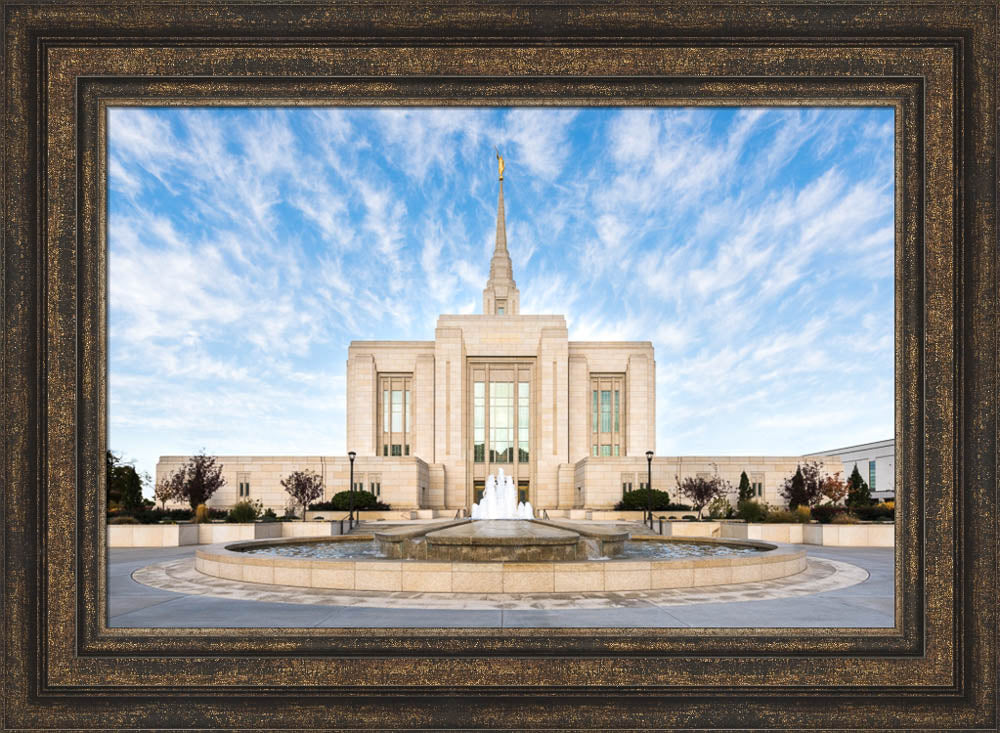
x=304, y=487
x=170, y=488
x=201, y=478
x=700, y=491
x=833, y=488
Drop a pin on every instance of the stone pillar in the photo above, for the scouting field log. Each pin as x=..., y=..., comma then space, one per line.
x=361, y=404
x=552, y=414
x=579, y=406
x=423, y=407
x=449, y=447
x=637, y=376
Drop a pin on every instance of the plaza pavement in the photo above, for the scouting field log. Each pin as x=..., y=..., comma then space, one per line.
x=865, y=604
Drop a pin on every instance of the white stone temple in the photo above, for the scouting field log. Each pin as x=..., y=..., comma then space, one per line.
x=568, y=422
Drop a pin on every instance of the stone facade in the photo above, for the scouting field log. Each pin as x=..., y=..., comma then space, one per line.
x=570, y=421
x=402, y=483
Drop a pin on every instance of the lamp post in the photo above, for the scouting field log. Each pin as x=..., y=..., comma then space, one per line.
x=649, y=486
x=350, y=497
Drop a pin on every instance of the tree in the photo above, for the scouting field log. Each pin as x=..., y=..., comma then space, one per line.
x=858, y=493
x=124, y=487
x=169, y=488
x=833, y=488
x=200, y=479
x=700, y=491
x=304, y=487
x=804, y=487
x=745, y=490
x=794, y=489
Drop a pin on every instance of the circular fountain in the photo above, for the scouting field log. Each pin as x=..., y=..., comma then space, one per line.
x=500, y=550
x=503, y=540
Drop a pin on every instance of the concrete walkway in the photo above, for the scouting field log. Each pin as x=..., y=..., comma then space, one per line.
x=865, y=604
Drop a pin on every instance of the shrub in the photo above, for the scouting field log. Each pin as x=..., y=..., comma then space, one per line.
x=751, y=510
x=201, y=514
x=339, y=502
x=844, y=518
x=785, y=516
x=720, y=508
x=636, y=501
x=269, y=515
x=123, y=520
x=874, y=513
x=825, y=513
x=804, y=515
x=149, y=515
x=244, y=511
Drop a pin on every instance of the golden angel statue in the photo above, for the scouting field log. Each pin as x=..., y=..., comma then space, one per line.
x=500, y=162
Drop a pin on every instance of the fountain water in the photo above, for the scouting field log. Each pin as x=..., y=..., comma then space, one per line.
x=500, y=501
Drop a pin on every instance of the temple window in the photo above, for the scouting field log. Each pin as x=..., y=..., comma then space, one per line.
x=395, y=413
x=607, y=418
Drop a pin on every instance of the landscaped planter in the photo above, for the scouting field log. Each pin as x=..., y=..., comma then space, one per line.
x=688, y=529
x=791, y=533
x=829, y=535
x=175, y=535
x=850, y=535
x=152, y=535
x=310, y=529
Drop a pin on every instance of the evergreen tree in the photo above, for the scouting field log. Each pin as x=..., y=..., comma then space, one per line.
x=794, y=490
x=745, y=490
x=805, y=487
x=858, y=493
x=124, y=486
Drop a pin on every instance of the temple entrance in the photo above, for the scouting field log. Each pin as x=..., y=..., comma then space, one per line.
x=500, y=419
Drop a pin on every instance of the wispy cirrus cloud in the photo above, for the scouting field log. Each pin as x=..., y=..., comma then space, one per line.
x=753, y=247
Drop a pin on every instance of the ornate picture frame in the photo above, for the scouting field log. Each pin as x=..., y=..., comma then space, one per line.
x=66, y=63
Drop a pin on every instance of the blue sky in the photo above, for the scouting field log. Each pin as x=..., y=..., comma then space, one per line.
x=248, y=247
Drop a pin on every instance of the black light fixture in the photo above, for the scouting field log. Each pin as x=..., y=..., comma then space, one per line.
x=350, y=497
x=649, y=486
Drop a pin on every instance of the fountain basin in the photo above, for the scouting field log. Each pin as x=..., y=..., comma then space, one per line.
x=501, y=540
x=391, y=575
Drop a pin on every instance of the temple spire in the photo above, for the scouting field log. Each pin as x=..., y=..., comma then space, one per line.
x=501, y=297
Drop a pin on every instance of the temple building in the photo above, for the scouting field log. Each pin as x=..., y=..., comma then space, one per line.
x=570, y=421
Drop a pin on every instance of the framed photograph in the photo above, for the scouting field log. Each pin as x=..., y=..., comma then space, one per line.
x=202, y=203
x=404, y=242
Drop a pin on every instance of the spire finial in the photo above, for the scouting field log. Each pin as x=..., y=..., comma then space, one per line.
x=501, y=296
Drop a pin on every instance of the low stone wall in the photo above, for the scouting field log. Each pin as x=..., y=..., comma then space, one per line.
x=389, y=515
x=152, y=535
x=610, y=515
x=828, y=535
x=222, y=561
x=787, y=533
x=175, y=535
x=850, y=535
x=690, y=529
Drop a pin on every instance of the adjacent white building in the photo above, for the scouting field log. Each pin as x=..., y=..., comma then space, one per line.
x=875, y=461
